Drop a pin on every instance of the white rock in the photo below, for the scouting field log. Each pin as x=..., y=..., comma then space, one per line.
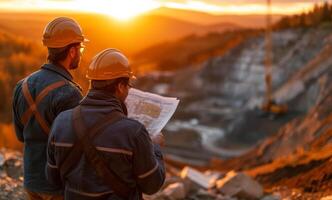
x=240, y=185
x=197, y=177
x=326, y=198
x=175, y=191
x=213, y=175
x=161, y=88
x=289, y=91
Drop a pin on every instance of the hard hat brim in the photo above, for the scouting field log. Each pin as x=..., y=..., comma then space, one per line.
x=107, y=77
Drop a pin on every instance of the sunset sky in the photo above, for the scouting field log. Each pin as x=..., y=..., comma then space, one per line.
x=125, y=9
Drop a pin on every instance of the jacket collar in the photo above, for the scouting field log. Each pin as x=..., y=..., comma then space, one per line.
x=62, y=72
x=99, y=98
x=59, y=70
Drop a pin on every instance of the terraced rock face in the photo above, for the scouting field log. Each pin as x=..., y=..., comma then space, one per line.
x=223, y=92
x=298, y=157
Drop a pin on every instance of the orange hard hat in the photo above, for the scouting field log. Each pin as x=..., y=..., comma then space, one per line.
x=61, y=32
x=109, y=64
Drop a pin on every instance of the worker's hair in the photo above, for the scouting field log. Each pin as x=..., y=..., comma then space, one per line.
x=55, y=55
x=108, y=85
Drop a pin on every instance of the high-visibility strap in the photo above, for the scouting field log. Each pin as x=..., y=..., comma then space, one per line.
x=33, y=104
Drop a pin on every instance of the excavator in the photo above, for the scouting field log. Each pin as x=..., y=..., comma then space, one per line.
x=269, y=105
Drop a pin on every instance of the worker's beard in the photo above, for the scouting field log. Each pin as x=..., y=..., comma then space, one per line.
x=75, y=62
x=124, y=107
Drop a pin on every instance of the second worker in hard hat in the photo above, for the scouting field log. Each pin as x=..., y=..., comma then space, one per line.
x=41, y=96
x=95, y=150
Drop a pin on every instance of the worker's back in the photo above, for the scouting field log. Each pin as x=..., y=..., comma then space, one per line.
x=125, y=144
x=32, y=129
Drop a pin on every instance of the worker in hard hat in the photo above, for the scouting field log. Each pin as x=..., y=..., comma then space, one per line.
x=95, y=150
x=41, y=96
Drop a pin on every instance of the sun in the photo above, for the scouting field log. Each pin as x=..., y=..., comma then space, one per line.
x=126, y=9
x=119, y=9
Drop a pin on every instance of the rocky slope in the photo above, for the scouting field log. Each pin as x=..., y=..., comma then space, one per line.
x=299, y=155
x=218, y=116
x=219, y=98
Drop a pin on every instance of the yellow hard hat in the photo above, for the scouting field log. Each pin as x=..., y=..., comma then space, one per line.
x=61, y=32
x=109, y=64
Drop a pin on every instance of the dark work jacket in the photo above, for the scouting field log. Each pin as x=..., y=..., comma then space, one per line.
x=32, y=135
x=125, y=144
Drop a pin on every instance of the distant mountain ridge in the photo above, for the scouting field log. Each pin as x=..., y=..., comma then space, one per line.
x=250, y=21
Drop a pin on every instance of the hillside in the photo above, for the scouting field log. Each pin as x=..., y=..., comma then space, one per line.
x=105, y=32
x=299, y=154
x=219, y=119
x=189, y=51
x=218, y=116
x=18, y=57
x=248, y=21
x=232, y=85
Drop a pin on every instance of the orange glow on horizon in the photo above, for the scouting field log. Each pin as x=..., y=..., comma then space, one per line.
x=241, y=9
x=121, y=10
x=127, y=9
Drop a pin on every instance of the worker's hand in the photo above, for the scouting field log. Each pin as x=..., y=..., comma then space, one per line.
x=158, y=139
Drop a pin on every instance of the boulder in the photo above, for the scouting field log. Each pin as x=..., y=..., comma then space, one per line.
x=14, y=168
x=240, y=185
x=175, y=191
x=214, y=175
x=200, y=179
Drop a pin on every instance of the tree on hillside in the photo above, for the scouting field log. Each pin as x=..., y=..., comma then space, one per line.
x=18, y=57
x=326, y=13
x=303, y=21
x=284, y=23
x=4, y=97
x=321, y=13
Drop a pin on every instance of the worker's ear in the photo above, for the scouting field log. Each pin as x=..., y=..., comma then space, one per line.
x=123, y=87
x=72, y=52
x=120, y=88
x=121, y=91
